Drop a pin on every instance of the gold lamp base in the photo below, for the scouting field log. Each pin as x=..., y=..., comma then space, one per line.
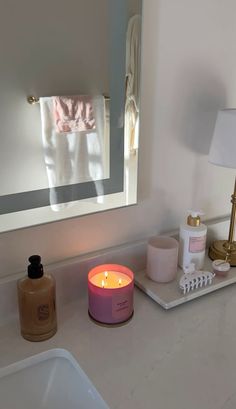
x=226, y=249
x=219, y=250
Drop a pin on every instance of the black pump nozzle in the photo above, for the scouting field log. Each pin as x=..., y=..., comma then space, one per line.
x=35, y=268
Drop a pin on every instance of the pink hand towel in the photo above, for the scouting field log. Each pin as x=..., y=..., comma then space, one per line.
x=73, y=113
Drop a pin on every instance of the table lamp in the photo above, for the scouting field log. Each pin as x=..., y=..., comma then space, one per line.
x=223, y=153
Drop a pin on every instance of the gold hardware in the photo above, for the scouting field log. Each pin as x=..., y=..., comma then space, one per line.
x=32, y=100
x=226, y=249
x=193, y=221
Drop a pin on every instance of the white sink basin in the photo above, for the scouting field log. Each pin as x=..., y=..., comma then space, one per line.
x=50, y=380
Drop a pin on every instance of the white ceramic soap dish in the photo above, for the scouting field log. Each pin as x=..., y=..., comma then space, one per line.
x=170, y=295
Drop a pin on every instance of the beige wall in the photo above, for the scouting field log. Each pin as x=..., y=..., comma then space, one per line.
x=189, y=72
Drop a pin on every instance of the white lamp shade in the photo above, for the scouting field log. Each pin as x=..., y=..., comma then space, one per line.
x=223, y=145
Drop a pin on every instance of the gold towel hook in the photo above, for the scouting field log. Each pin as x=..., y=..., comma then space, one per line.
x=32, y=100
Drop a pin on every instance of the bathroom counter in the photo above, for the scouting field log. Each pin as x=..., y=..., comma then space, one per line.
x=184, y=358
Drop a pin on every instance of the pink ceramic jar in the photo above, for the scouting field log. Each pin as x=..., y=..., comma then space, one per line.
x=162, y=259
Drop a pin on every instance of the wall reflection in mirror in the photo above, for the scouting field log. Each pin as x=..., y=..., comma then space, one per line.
x=75, y=150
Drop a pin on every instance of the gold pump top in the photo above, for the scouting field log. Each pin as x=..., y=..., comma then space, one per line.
x=193, y=221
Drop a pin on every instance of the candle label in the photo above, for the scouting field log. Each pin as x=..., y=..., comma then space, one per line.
x=120, y=306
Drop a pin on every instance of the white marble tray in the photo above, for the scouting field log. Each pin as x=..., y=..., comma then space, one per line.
x=169, y=295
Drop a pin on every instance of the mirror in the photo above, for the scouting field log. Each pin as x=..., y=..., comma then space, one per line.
x=75, y=151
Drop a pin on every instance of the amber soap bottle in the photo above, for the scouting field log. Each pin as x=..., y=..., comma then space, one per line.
x=37, y=303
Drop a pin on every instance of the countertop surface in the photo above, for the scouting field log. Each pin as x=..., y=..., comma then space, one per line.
x=184, y=358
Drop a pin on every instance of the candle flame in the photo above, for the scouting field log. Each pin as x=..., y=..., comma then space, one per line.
x=120, y=281
x=106, y=274
x=103, y=283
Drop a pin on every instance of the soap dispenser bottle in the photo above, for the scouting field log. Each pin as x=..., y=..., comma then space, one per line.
x=37, y=303
x=192, y=241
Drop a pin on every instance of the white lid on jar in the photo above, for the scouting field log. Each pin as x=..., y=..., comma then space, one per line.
x=221, y=265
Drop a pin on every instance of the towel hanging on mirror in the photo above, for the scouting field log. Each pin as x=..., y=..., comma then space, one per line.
x=73, y=142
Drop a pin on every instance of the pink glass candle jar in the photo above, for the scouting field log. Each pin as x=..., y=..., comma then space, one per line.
x=110, y=293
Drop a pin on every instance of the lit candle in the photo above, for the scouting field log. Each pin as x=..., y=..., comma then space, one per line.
x=110, y=290
x=114, y=279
